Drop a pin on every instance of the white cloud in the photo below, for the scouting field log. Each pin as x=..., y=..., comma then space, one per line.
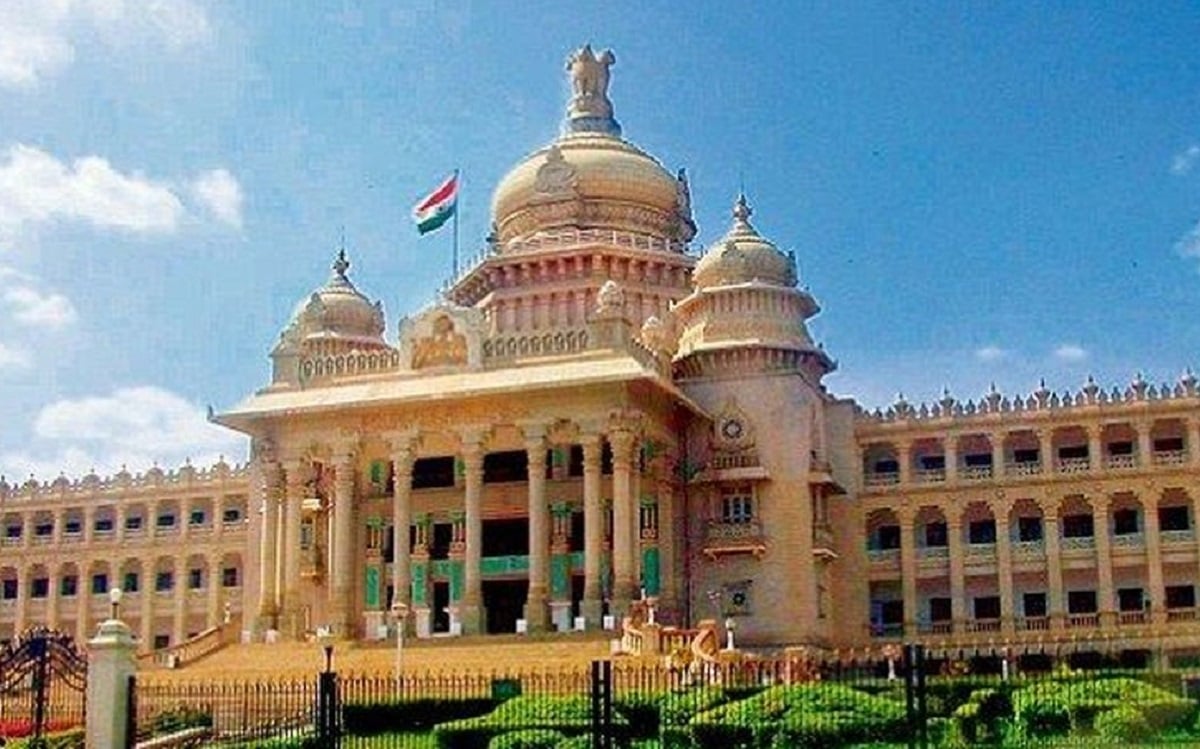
x=990, y=354
x=220, y=193
x=1070, y=352
x=134, y=427
x=14, y=358
x=37, y=37
x=35, y=309
x=36, y=187
x=1183, y=161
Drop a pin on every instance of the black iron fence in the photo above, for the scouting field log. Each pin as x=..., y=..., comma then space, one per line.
x=882, y=700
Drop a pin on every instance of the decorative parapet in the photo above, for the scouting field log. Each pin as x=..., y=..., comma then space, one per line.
x=63, y=488
x=1039, y=401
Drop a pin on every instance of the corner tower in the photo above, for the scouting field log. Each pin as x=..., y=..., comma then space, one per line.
x=763, y=534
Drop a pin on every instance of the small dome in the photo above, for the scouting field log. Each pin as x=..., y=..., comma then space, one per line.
x=743, y=256
x=337, y=311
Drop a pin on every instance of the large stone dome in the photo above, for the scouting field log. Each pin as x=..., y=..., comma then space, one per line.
x=590, y=178
x=743, y=256
x=337, y=312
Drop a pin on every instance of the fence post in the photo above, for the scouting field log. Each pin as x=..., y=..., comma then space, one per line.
x=110, y=666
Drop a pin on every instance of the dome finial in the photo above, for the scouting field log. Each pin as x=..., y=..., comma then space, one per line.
x=590, y=110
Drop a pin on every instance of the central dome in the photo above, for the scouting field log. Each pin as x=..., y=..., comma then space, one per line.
x=589, y=178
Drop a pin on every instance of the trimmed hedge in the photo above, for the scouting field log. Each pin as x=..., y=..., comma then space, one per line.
x=1058, y=707
x=569, y=715
x=808, y=715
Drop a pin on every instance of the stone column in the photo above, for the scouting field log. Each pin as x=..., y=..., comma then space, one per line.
x=214, y=581
x=998, y=461
x=536, y=613
x=958, y=596
x=267, y=561
x=1107, y=604
x=110, y=665
x=343, y=530
x=593, y=530
x=1054, y=579
x=403, y=458
x=179, y=590
x=471, y=613
x=1154, y=572
x=1001, y=509
x=908, y=567
x=297, y=472
x=622, y=441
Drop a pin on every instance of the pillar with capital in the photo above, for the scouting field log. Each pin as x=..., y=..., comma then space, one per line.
x=342, y=589
x=403, y=458
x=471, y=614
x=624, y=584
x=592, y=607
x=272, y=478
x=297, y=473
x=536, y=612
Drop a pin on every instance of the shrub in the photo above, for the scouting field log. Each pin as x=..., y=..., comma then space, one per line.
x=808, y=715
x=530, y=738
x=1123, y=724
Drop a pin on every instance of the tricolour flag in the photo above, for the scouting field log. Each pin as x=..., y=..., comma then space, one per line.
x=437, y=207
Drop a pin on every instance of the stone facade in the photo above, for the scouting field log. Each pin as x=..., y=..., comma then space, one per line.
x=594, y=415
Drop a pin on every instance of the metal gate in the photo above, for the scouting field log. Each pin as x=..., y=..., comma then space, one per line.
x=43, y=683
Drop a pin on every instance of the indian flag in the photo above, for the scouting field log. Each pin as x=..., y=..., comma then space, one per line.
x=437, y=207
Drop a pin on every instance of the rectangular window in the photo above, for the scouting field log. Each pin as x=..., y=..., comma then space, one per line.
x=1130, y=599
x=99, y=584
x=1034, y=604
x=737, y=506
x=982, y=532
x=195, y=579
x=166, y=520
x=1168, y=444
x=1077, y=526
x=163, y=582
x=887, y=537
x=1072, y=452
x=231, y=515
x=1120, y=448
x=1125, y=522
x=1081, y=602
x=987, y=607
x=1181, y=596
x=197, y=517
x=133, y=523
x=940, y=609
x=10, y=590
x=1029, y=529
x=1027, y=455
x=1174, y=518
x=935, y=534
x=39, y=587
x=131, y=582
x=229, y=577
x=73, y=526
x=68, y=587
x=104, y=525
x=932, y=462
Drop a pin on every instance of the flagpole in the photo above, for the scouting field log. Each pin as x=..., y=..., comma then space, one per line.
x=457, y=204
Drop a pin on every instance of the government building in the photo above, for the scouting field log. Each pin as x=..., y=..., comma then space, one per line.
x=597, y=418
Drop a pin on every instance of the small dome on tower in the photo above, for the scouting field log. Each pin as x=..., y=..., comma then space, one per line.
x=337, y=311
x=743, y=256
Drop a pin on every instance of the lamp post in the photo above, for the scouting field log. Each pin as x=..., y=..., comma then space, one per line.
x=114, y=602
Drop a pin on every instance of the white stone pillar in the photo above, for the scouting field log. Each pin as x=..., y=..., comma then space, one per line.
x=111, y=663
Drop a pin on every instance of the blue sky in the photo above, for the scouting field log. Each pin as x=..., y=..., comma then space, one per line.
x=976, y=192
